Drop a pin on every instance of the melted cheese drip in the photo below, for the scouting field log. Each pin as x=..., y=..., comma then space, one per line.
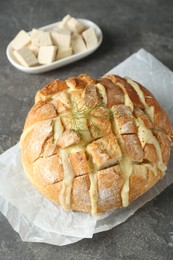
x=102, y=92
x=65, y=194
x=127, y=168
x=148, y=109
x=128, y=101
x=58, y=129
x=93, y=192
x=93, y=179
x=67, y=183
x=146, y=136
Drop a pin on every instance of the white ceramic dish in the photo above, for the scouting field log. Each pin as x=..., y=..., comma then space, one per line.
x=58, y=63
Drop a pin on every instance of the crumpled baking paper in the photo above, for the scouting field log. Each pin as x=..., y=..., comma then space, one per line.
x=35, y=218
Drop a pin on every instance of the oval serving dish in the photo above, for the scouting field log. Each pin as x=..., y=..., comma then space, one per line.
x=58, y=63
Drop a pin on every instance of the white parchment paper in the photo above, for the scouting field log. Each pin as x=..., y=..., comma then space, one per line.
x=38, y=220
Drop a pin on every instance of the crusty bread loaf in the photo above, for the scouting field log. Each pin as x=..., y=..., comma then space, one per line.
x=92, y=145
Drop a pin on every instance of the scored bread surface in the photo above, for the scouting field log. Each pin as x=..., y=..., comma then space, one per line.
x=92, y=145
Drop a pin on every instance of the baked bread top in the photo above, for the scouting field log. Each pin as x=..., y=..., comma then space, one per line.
x=92, y=145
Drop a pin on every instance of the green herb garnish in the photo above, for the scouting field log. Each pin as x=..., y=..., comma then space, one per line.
x=82, y=117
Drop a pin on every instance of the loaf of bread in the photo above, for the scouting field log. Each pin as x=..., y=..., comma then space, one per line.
x=92, y=145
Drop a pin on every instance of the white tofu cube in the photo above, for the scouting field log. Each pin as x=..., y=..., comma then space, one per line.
x=47, y=54
x=33, y=48
x=25, y=57
x=63, y=53
x=78, y=44
x=40, y=38
x=66, y=18
x=63, y=23
x=75, y=26
x=61, y=38
x=21, y=40
x=90, y=37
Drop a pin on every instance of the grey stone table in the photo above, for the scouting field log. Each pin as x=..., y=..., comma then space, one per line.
x=127, y=26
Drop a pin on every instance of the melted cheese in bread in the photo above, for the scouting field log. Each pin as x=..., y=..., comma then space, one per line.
x=146, y=136
x=127, y=99
x=127, y=168
x=93, y=192
x=148, y=109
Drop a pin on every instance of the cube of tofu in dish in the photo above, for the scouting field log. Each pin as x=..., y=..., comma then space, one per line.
x=74, y=25
x=79, y=163
x=40, y=38
x=47, y=54
x=68, y=138
x=61, y=38
x=78, y=44
x=63, y=23
x=105, y=152
x=25, y=57
x=21, y=40
x=33, y=48
x=63, y=53
x=90, y=37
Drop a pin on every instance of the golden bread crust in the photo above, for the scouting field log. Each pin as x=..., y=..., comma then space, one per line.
x=40, y=111
x=92, y=145
x=110, y=182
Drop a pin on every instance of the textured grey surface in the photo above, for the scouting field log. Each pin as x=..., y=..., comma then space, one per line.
x=127, y=26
